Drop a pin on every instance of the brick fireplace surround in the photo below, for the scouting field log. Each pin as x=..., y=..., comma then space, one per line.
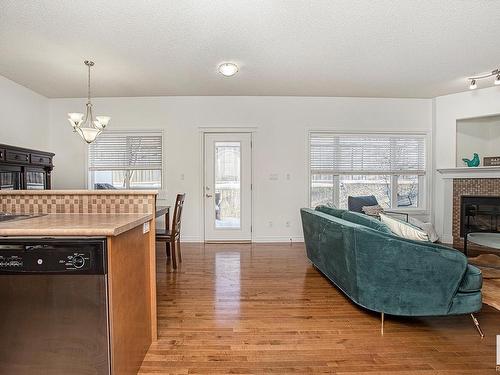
x=470, y=186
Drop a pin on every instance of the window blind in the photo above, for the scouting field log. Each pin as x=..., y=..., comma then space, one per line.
x=332, y=153
x=126, y=151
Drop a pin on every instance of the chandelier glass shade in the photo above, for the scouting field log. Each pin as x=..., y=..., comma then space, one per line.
x=86, y=125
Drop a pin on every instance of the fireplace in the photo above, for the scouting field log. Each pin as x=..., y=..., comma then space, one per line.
x=468, y=194
x=479, y=214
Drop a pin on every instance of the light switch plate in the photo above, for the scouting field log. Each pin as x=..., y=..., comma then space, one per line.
x=145, y=227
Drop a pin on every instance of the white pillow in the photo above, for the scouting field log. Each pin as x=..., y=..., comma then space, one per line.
x=402, y=229
x=426, y=227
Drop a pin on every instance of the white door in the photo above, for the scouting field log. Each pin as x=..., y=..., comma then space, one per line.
x=228, y=187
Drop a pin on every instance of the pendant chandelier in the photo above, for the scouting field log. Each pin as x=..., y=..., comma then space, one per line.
x=87, y=127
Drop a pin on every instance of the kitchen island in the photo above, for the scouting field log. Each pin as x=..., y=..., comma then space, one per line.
x=125, y=221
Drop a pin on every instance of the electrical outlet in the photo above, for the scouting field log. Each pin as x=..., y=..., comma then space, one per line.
x=287, y=176
x=270, y=224
x=287, y=224
x=182, y=176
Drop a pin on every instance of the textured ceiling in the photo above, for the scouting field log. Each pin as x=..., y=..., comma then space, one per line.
x=383, y=48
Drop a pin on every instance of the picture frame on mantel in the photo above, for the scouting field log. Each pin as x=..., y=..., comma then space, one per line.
x=491, y=161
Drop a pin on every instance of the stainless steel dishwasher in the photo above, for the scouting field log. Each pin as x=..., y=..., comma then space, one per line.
x=54, y=306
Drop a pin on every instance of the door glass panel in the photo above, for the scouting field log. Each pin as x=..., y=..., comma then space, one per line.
x=227, y=185
x=35, y=180
x=10, y=180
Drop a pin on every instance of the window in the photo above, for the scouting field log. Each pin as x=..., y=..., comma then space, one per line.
x=389, y=166
x=126, y=160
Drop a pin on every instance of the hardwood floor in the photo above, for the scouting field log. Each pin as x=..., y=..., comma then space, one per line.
x=263, y=309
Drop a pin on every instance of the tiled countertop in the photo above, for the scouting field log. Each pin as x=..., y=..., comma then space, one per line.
x=78, y=192
x=74, y=225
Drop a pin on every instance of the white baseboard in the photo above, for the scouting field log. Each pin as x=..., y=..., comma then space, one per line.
x=191, y=239
x=260, y=239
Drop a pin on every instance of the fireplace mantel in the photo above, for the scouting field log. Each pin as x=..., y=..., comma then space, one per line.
x=470, y=172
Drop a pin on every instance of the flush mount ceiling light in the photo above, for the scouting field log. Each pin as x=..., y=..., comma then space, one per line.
x=87, y=127
x=228, y=69
x=494, y=73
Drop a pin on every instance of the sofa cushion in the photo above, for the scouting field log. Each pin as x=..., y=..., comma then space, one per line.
x=426, y=227
x=404, y=229
x=365, y=220
x=472, y=281
x=356, y=203
x=372, y=210
x=337, y=212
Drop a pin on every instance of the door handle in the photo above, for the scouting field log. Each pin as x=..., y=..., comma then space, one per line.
x=208, y=195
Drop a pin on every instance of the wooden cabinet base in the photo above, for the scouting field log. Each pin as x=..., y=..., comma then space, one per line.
x=132, y=298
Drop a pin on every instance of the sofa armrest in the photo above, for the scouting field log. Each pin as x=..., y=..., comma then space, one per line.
x=404, y=277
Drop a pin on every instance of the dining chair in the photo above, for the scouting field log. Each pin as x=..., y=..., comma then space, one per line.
x=172, y=237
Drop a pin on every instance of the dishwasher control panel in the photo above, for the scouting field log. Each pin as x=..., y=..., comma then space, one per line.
x=82, y=257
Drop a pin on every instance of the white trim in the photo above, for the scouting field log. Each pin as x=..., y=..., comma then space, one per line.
x=282, y=239
x=226, y=130
x=367, y=131
x=232, y=129
x=260, y=239
x=469, y=172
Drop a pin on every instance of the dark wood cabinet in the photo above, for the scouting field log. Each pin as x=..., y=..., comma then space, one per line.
x=24, y=169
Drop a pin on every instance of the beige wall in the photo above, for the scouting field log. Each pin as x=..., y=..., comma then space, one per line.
x=24, y=116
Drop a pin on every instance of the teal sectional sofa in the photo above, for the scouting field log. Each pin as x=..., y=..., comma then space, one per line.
x=385, y=273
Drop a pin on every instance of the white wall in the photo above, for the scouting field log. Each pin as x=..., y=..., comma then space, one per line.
x=478, y=135
x=279, y=144
x=449, y=109
x=24, y=116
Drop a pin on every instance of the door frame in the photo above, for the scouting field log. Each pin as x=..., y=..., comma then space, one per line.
x=225, y=130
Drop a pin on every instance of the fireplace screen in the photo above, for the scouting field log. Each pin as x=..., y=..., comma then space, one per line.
x=479, y=214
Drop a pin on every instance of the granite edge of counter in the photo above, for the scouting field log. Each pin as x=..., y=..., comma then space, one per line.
x=86, y=232
x=79, y=192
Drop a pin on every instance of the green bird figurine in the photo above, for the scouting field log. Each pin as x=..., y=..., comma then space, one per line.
x=472, y=163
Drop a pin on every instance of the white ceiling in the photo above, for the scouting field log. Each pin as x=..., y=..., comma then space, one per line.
x=379, y=48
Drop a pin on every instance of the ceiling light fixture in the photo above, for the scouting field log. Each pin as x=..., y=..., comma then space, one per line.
x=228, y=69
x=87, y=127
x=493, y=73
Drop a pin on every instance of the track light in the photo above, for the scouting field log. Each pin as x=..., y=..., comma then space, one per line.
x=494, y=73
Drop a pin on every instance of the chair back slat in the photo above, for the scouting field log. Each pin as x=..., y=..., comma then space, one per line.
x=176, y=220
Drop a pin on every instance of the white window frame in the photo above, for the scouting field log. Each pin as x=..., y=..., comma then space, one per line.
x=88, y=175
x=424, y=180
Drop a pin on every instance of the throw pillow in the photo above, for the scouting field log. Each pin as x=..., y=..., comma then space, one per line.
x=372, y=210
x=403, y=229
x=426, y=227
